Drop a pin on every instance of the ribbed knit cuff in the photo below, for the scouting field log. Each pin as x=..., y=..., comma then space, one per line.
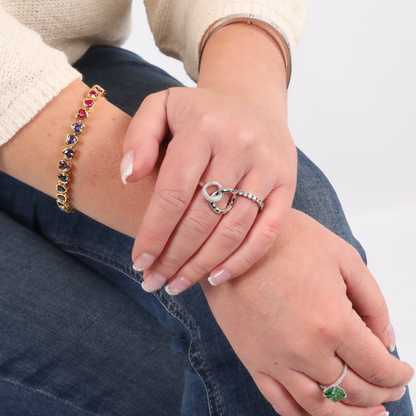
x=30, y=101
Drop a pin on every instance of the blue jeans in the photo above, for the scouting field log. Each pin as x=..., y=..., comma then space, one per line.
x=78, y=335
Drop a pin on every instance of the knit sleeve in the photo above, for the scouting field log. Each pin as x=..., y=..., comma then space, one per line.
x=179, y=25
x=31, y=74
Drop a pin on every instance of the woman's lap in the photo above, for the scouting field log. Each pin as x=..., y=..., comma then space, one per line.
x=74, y=340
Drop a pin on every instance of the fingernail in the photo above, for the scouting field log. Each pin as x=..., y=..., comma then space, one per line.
x=126, y=167
x=400, y=395
x=383, y=414
x=143, y=262
x=219, y=277
x=178, y=285
x=391, y=338
x=153, y=282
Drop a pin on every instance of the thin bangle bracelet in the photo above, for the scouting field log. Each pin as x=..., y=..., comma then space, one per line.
x=270, y=27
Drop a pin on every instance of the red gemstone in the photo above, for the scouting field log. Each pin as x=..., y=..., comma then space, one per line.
x=82, y=114
x=89, y=104
x=93, y=94
x=99, y=89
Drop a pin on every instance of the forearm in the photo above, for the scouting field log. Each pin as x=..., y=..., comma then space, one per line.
x=32, y=156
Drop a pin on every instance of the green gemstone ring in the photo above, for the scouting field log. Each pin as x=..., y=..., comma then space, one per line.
x=334, y=392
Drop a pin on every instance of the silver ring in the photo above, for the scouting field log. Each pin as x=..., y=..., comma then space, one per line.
x=334, y=392
x=219, y=193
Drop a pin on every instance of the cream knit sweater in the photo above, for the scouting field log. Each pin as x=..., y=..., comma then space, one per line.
x=40, y=39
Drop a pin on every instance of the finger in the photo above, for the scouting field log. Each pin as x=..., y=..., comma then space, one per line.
x=276, y=394
x=261, y=237
x=146, y=131
x=373, y=362
x=196, y=227
x=359, y=392
x=174, y=189
x=367, y=300
x=227, y=236
x=310, y=396
x=224, y=240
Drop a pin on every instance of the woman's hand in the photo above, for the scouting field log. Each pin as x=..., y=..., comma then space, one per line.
x=231, y=129
x=304, y=309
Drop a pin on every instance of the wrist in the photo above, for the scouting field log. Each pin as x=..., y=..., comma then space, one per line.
x=33, y=154
x=245, y=57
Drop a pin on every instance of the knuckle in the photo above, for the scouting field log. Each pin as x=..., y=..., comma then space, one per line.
x=151, y=238
x=358, y=396
x=384, y=370
x=151, y=99
x=171, y=201
x=322, y=409
x=198, y=223
x=168, y=264
x=232, y=233
x=196, y=269
x=246, y=262
x=268, y=234
x=246, y=138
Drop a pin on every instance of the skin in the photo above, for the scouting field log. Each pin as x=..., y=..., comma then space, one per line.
x=232, y=129
x=288, y=342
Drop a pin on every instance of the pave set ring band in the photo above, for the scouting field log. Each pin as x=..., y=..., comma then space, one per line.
x=219, y=194
x=334, y=392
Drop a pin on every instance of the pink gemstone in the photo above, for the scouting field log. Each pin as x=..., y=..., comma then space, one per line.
x=89, y=103
x=93, y=94
x=99, y=89
x=82, y=114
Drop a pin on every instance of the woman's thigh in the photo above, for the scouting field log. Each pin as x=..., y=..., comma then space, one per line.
x=216, y=383
x=72, y=342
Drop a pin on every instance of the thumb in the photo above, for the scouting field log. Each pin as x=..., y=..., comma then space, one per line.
x=147, y=130
x=368, y=301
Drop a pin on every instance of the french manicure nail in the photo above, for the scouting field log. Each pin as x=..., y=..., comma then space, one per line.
x=153, y=282
x=143, y=262
x=383, y=414
x=391, y=338
x=219, y=277
x=178, y=285
x=400, y=395
x=126, y=167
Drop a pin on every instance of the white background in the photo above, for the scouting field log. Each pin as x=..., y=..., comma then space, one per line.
x=353, y=112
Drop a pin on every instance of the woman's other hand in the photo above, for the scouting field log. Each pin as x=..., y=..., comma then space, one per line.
x=304, y=309
x=231, y=129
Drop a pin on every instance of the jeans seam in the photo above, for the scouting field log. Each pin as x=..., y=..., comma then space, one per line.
x=191, y=330
x=90, y=248
x=48, y=395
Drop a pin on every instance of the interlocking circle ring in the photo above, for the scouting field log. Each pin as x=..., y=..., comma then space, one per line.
x=334, y=392
x=219, y=193
x=217, y=196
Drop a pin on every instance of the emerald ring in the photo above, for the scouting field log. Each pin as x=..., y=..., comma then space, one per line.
x=334, y=392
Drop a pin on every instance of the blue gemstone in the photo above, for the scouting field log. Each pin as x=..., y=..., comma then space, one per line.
x=61, y=188
x=63, y=178
x=71, y=140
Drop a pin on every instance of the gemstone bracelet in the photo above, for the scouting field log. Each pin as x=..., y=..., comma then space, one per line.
x=65, y=164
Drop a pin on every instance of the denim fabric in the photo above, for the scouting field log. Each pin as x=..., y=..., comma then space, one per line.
x=78, y=335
